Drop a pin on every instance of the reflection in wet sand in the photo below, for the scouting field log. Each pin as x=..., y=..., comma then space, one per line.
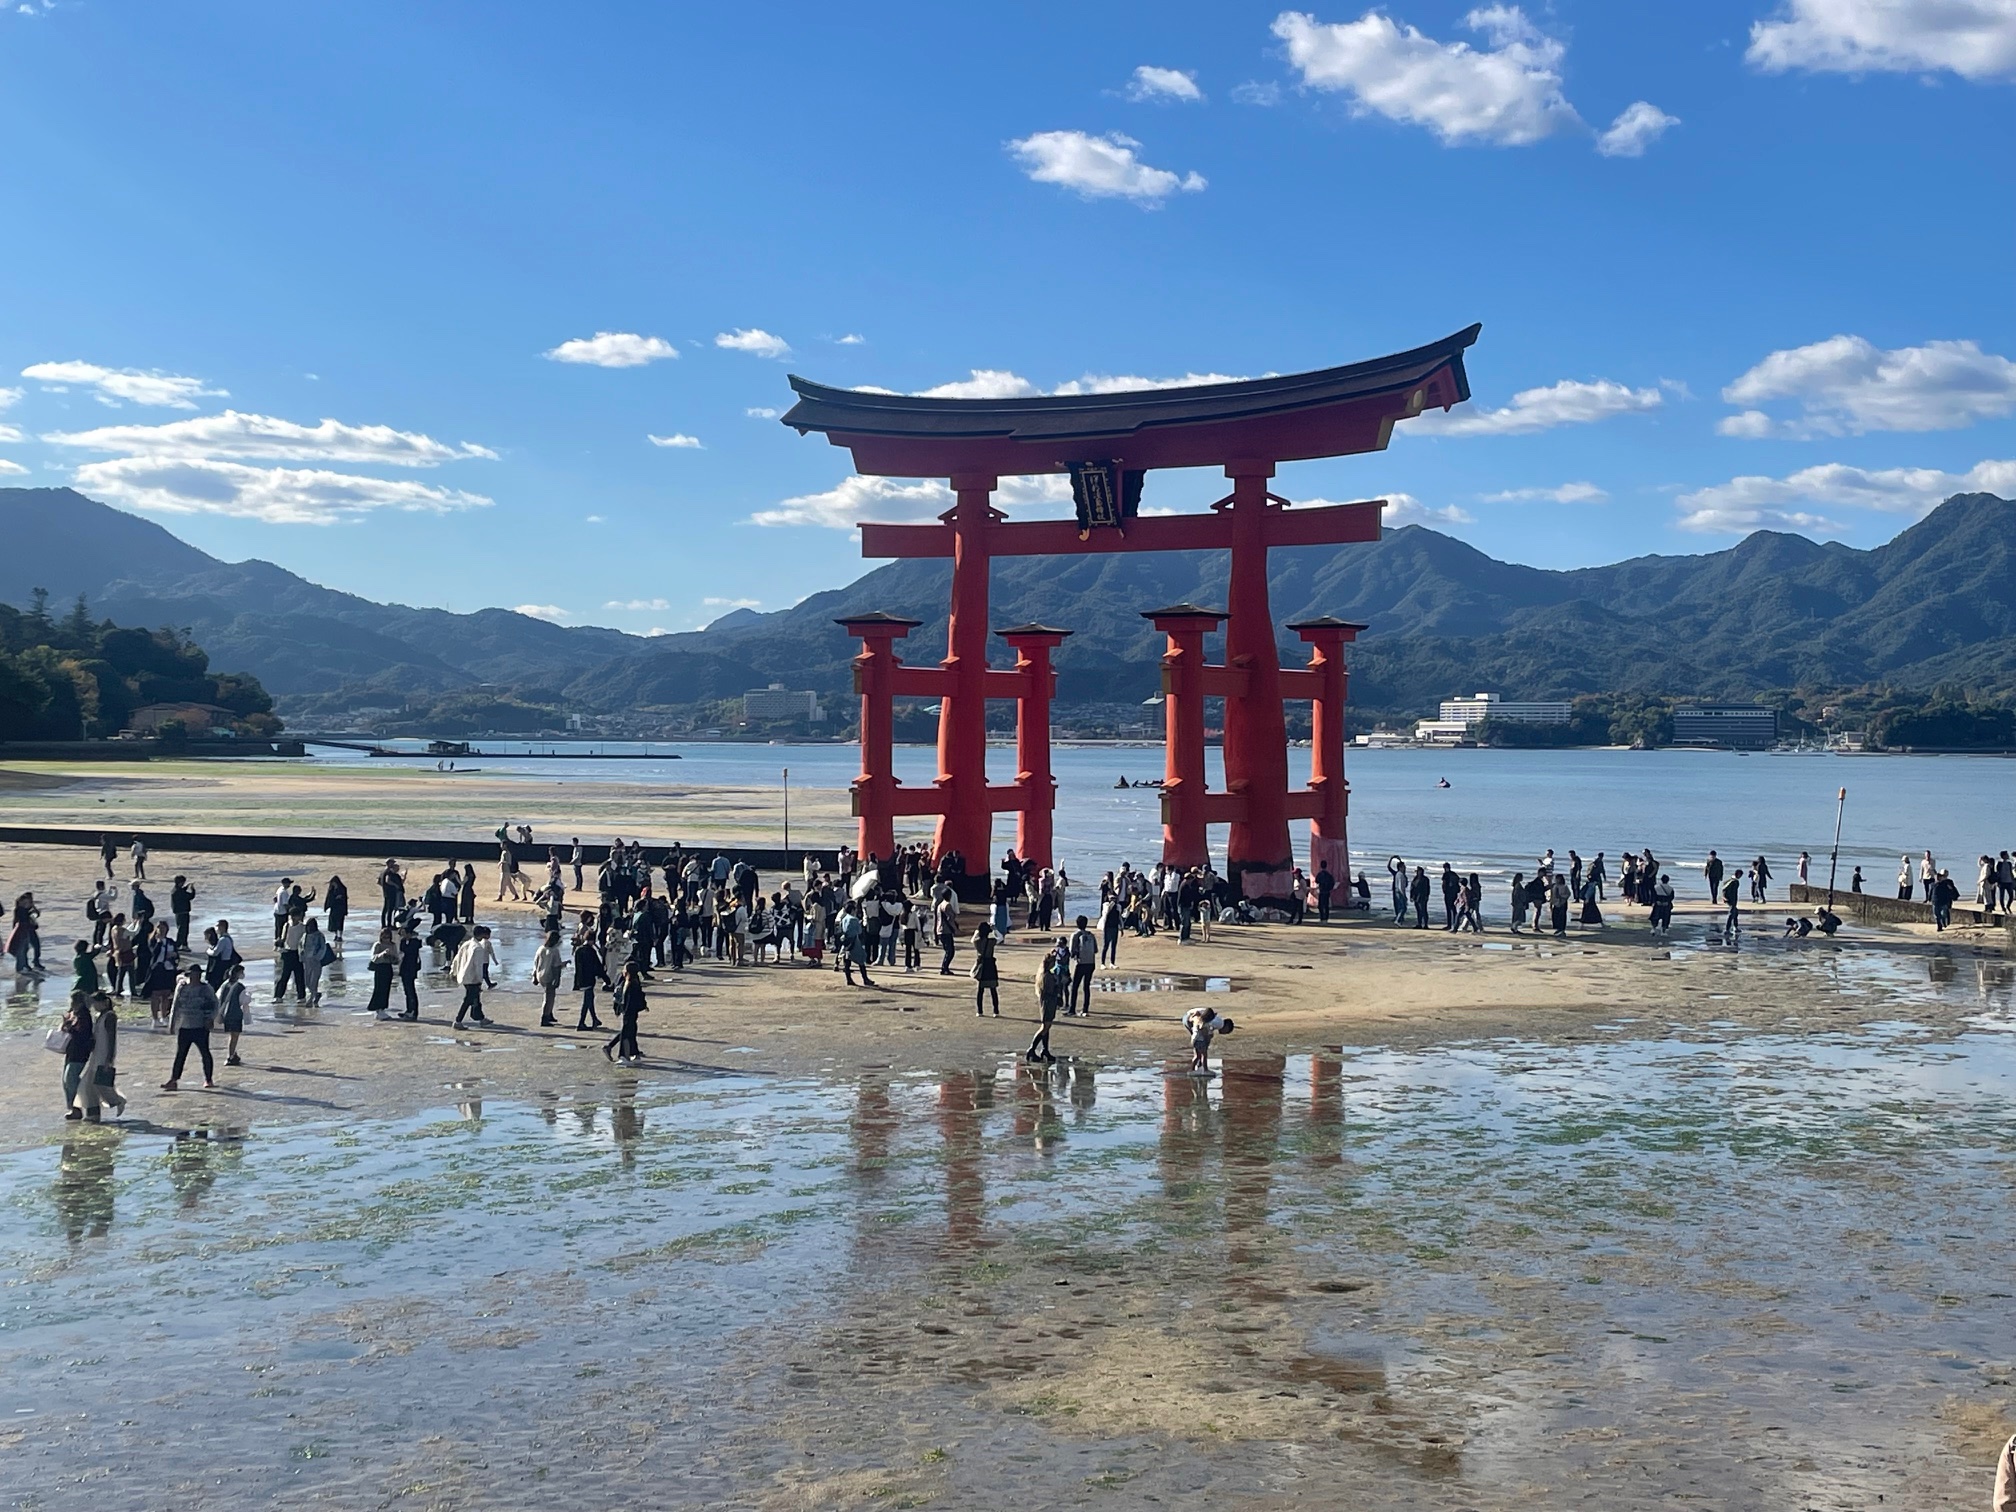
x=1614, y=1272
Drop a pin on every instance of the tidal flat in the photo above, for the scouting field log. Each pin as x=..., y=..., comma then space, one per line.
x=1658, y=1265
x=1460, y=1222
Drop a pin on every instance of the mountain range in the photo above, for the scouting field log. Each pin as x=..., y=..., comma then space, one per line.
x=1935, y=604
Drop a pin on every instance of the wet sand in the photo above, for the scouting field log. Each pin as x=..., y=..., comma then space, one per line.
x=407, y=798
x=1609, y=1222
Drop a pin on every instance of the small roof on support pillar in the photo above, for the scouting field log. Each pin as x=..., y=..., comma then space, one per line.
x=1185, y=610
x=1326, y=622
x=877, y=617
x=1032, y=628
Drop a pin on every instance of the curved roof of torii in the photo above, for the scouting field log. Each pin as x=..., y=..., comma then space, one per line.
x=1330, y=413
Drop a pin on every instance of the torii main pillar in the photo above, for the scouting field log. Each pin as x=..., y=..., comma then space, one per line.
x=1259, y=853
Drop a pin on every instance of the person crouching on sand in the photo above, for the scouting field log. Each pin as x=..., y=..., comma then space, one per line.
x=1204, y=1025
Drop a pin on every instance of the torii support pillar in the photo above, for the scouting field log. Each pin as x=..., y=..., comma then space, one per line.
x=1185, y=839
x=1034, y=820
x=1327, y=638
x=875, y=669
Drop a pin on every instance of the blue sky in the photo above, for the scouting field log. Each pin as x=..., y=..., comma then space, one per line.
x=303, y=282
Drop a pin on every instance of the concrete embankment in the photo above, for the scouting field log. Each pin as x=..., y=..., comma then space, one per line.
x=1875, y=908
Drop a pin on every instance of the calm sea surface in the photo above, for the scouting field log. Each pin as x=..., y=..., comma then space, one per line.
x=1500, y=810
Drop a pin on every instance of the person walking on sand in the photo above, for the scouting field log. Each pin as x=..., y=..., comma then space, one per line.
x=1732, y=895
x=108, y=853
x=1712, y=871
x=191, y=1017
x=1397, y=870
x=588, y=970
x=140, y=859
x=629, y=1004
x=79, y=1037
x=947, y=916
x=986, y=972
x=1420, y=891
x=315, y=959
x=578, y=858
x=546, y=968
x=231, y=1000
x=1903, y=879
x=391, y=893
x=1053, y=976
x=472, y=970
x=1518, y=902
x=336, y=902
x=100, y=1083
x=1928, y=873
x=1557, y=904
x=1760, y=880
x=293, y=933
x=855, y=946
x=1083, y=955
x=384, y=961
x=181, y=899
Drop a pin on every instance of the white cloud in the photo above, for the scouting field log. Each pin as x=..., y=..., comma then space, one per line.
x=591, y=519
x=1536, y=409
x=1975, y=39
x=614, y=349
x=276, y=495
x=986, y=383
x=1637, y=127
x=999, y=383
x=8, y=397
x=762, y=412
x=1254, y=92
x=552, y=613
x=10, y=468
x=1846, y=386
x=111, y=385
x=12, y=433
x=1099, y=167
x=731, y=603
x=891, y=500
x=852, y=338
x=1164, y=85
x=1095, y=383
x=232, y=434
x=655, y=631
x=1753, y=503
x=678, y=440
x=755, y=342
x=1405, y=509
x=1567, y=493
x=1508, y=94
x=638, y=606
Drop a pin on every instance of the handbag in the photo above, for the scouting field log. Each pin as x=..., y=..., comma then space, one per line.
x=58, y=1040
x=105, y=1076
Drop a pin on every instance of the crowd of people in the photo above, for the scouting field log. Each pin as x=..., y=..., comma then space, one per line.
x=861, y=915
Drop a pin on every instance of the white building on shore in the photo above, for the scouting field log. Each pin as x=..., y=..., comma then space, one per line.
x=1460, y=715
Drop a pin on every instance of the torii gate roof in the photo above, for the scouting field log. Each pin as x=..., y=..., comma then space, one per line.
x=1331, y=413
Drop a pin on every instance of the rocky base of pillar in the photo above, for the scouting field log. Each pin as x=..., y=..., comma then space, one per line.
x=1266, y=884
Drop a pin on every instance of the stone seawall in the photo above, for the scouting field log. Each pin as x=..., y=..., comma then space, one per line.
x=1880, y=908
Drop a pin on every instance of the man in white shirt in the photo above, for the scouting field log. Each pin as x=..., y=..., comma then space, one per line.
x=283, y=896
x=1084, y=956
x=471, y=967
x=291, y=932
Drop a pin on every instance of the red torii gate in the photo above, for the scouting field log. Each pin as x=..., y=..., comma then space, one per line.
x=1247, y=428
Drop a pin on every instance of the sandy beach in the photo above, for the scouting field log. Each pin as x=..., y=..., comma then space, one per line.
x=1460, y=1222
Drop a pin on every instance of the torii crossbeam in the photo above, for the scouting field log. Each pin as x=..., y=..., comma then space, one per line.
x=1248, y=429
